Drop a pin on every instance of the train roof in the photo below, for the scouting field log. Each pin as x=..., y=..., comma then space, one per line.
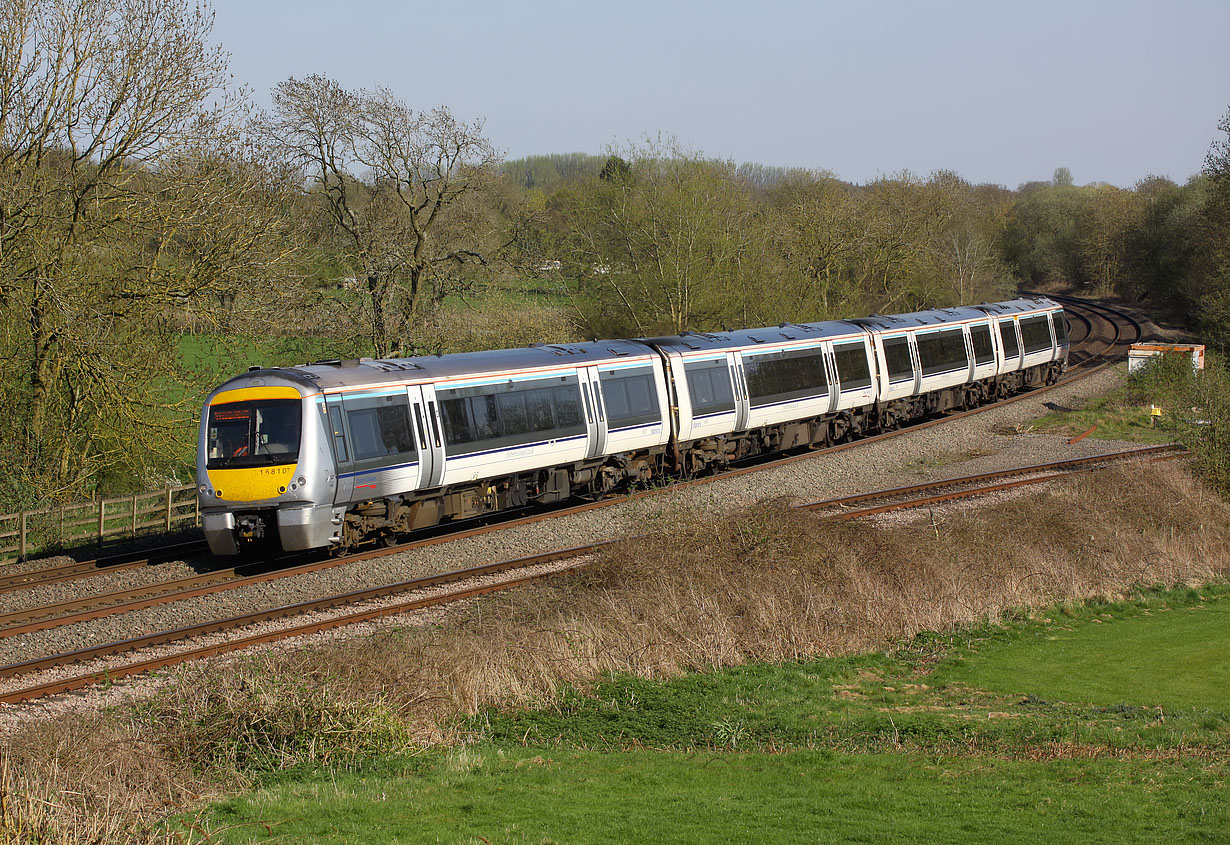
x=936, y=316
x=324, y=375
x=783, y=333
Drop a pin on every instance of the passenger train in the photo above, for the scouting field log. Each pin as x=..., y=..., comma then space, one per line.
x=342, y=453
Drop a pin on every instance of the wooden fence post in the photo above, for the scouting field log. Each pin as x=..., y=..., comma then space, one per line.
x=21, y=542
x=168, y=509
x=102, y=519
x=134, y=514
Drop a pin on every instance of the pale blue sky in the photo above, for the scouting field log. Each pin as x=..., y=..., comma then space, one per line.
x=999, y=92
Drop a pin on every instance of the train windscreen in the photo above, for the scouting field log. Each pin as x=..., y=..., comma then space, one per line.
x=263, y=432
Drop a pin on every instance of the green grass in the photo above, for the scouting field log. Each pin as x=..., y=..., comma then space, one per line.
x=521, y=292
x=1176, y=657
x=1116, y=418
x=227, y=355
x=564, y=795
x=1046, y=728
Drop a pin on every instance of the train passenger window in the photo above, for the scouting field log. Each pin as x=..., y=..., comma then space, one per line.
x=541, y=411
x=366, y=433
x=980, y=335
x=709, y=387
x=490, y=417
x=942, y=351
x=567, y=407
x=784, y=375
x=630, y=396
x=514, y=418
x=1035, y=334
x=380, y=433
x=852, y=370
x=1007, y=336
x=457, y=425
x=1061, y=327
x=897, y=357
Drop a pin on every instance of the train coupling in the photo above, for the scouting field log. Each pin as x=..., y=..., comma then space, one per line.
x=250, y=527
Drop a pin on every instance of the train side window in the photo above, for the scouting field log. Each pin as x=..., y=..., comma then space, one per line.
x=1061, y=327
x=980, y=335
x=853, y=372
x=1007, y=336
x=487, y=417
x=380, y=430
x=541, y=410
x=897, y=357
x=567, y=408
x=630, y=397
x=785, y=375
x=514, y=418
x=942, y=351
x=458, y=427
x=1035, y=334
x=709, y=387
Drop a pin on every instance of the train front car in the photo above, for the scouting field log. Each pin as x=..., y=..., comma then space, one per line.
x=264, y=469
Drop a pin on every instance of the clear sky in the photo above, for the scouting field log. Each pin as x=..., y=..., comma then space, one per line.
x=1000, y=92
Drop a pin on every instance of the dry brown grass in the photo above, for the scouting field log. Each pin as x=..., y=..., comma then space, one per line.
x=769, y=584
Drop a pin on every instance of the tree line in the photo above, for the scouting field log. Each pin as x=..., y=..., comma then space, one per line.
x=151, y=220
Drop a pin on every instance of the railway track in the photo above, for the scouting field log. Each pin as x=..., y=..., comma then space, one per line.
x=1104, y=334
x=20, y=580
x=921, y=495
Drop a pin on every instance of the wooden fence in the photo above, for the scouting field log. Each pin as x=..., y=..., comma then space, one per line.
x=64, y=526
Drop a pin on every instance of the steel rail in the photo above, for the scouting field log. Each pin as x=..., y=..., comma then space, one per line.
x=976, y=491
x=14, y=581
x=330, y=602
x=1073, y=463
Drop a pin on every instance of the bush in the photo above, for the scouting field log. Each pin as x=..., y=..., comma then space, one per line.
x=1196, y=410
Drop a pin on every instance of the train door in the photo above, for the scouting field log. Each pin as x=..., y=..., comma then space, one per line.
x=830, y=372
x=427, y=429
x=916, y=362
x=334, y=422
x=738, y=380
x=426, y=412
x=595, y=410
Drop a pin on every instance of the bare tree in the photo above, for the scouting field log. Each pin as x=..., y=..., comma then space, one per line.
x=123, y=197
x=665, y=241
x=406, y=222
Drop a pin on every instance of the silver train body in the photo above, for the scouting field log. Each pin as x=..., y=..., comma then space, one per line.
x=342, y=453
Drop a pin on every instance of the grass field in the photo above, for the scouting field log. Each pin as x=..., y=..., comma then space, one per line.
x=1116, y=418
x=1082, y=724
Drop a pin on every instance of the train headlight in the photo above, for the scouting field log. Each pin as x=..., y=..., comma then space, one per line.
x=205, y=491
x=283, y=488
x=218, y=493
x=302, y=481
